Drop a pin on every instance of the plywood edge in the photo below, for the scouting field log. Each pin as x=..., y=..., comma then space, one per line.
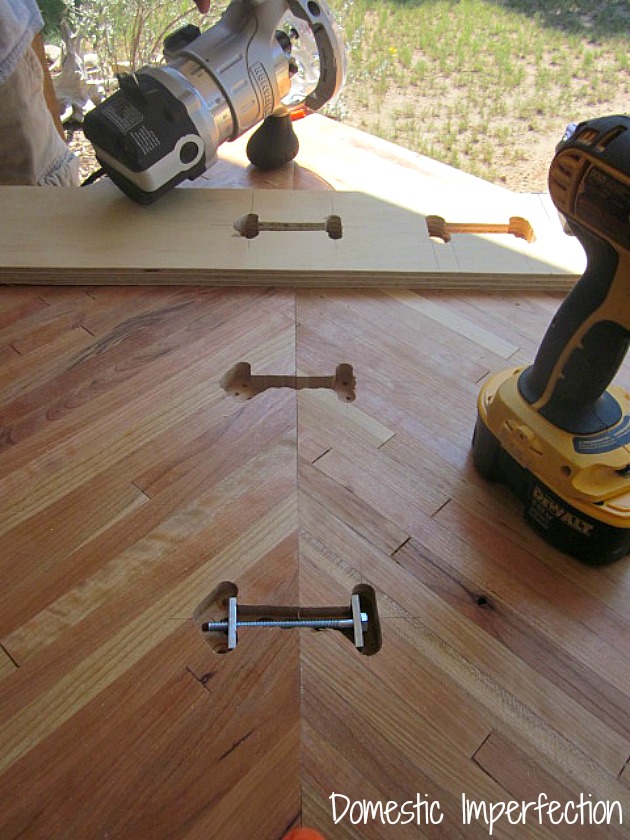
x=452, y=281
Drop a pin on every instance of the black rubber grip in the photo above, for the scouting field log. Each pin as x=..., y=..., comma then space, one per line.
x=576, y=399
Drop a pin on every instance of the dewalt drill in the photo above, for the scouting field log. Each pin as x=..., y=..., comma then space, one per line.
x=555, y=432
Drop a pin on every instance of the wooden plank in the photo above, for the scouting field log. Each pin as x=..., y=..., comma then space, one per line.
x=525, y=777
x=366, y=520
x=517, y=318
x=482, y=665
x=155, y=742
x=7, y=664
x=409, y=370
x=382, y=244
x=130, y=524
x=321, y=425
x=381, y=486
x=378, y=735
x=507, y=616
x=515, y=635
x=24, y=726
x=65, y=314
x=132, y=484
x=45, y=617
x=145, y=413
x=335, y=155
x=464, y=327
x=33, y=572
x=405, y=672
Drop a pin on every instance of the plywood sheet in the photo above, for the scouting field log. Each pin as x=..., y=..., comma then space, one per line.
x=98, y=236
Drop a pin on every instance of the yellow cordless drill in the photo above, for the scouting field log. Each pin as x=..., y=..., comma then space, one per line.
x=555, y=432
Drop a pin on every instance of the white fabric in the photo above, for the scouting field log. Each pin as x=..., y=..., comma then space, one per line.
x=20, y=21
x=31, y=150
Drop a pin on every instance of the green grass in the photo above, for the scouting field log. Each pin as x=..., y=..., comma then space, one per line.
x=477, y=83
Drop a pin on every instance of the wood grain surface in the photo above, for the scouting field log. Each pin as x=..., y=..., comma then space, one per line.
x=132, y=485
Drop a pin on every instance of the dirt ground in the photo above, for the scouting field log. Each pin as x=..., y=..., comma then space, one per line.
x=530, y=173
x=82, y=149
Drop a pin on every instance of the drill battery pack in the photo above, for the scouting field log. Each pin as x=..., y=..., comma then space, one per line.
x=573, y=487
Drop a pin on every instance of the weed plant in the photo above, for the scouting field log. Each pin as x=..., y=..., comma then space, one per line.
x=127, y=34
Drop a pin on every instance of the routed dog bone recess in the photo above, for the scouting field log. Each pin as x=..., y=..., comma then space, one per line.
x=239, y=382
x=439, y=228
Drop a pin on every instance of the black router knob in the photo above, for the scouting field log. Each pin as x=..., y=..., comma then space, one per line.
x=273, y=144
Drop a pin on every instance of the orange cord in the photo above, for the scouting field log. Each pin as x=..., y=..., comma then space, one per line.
x=299, y=114
x=303, y=834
